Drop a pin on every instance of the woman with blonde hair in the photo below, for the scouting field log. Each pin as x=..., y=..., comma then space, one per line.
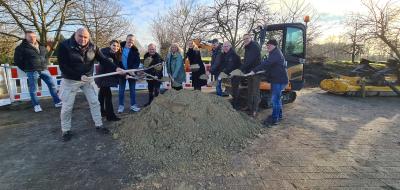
x=175, y=67
x=196, y=65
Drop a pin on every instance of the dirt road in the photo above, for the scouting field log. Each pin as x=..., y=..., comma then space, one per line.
x=325, y=142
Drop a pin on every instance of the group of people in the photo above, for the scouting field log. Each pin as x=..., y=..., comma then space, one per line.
x=274, y=69
x=77, y=56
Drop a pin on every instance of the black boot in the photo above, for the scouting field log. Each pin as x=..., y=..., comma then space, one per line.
x=151, y=97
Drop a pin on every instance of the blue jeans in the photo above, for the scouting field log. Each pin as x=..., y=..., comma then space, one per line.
x=33, y=77
x=276, y=91
x=218, y=87
x=132, y=91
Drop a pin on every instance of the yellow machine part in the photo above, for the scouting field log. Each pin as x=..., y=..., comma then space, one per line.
x=345, y=84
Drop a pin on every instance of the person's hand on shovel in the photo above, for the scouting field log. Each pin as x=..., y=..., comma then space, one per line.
x=85, y=78
x=120, y=71
x=249, y=74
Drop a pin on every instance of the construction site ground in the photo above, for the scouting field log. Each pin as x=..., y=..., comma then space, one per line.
x=324, y=142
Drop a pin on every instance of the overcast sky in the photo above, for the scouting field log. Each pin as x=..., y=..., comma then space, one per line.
x=143, y=11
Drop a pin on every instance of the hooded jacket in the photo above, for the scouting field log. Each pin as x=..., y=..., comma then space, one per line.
x=133, y=57
x=156, y=58
x=252, y=57
x=109, y=81
x=75, y=60
x=28, y=58
x=275, y=67
x=229, y=61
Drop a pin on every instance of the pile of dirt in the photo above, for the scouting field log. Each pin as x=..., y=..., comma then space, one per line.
x=184, y=130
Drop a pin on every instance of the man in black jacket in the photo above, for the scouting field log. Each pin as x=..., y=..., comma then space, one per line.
x=230, y=61
x=76, y=57
x=252, y=58
x=215, y=61
x=276, y=71
x=31, y=57
x=130, y=60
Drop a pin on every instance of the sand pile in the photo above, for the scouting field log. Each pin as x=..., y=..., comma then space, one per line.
x=185, y=129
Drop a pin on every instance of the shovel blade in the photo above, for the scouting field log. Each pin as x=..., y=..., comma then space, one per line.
x=237, y=72
x=204, y=77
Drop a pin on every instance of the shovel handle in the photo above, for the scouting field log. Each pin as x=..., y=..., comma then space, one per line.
x=126, y=71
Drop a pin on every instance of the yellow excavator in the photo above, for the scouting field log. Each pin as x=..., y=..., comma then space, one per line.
x=367, y=80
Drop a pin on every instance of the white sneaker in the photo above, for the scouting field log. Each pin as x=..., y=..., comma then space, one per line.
x=121, y=109
x=58, y=105
x=38, y=108
x=135, y=108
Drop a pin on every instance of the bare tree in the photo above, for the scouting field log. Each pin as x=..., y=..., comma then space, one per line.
x=382, y=22
x=186, y=20
x=163, y=33
x=42, y=16
x=230, y=19
x=104, y=20
x=355, y=36
x=294, y=11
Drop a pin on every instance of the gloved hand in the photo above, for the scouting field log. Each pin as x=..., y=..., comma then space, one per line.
x=85, y=78
x=120, y=71
x=250, y=74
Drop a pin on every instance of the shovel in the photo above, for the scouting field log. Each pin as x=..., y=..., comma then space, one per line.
x=204, y=77
x=236, y=72
x=194, y=67
x=126, y=71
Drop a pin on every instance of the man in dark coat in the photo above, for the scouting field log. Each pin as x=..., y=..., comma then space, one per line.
x=252, y=58
x=130, y=60
x=215, y=61
x=31, y=57
x=76, y=57
x=276, y=70
x=230, y=61
x=153, y=58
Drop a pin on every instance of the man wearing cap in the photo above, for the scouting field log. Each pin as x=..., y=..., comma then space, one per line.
x=276, y=70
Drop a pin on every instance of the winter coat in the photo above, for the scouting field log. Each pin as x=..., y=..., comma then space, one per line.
x=252, y=57
x=156, y=58
x=175, y=67
x=195, y=58
x=76, y=61
x=275, y=67
x=28, y=58
x=133, y=57
x=109, y=81
x=229, y=61
x=215, y=60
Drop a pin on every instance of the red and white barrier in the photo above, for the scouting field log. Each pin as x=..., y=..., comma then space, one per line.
x=18, y=83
